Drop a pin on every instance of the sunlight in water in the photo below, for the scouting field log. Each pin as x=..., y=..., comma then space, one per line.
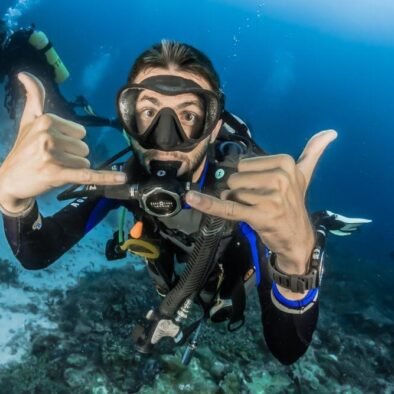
x=13, y=13
x=367, y=20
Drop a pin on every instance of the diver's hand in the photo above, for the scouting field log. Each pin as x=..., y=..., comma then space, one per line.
x=268, y=193
x=48, y=153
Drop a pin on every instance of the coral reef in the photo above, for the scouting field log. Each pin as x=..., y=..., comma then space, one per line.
x=91, y=350
x=8, y=273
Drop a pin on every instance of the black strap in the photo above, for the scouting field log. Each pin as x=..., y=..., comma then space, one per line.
x=188, y=331
x=159, y=276
x=235, y=124
x=242, y=130
x=46, y=48
x=238, y=298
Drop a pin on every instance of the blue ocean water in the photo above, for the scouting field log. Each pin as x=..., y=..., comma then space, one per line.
x=288, y=77
x=289, y=69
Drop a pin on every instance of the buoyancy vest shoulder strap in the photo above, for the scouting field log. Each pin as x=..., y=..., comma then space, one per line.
x=234, y=126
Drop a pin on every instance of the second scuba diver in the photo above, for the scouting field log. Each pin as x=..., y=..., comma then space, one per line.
x=28, y=49
x=203, y=195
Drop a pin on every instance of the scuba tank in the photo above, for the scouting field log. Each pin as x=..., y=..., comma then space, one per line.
x=40, y=41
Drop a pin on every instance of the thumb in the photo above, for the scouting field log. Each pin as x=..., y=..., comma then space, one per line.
x=312, y=152
x=35, y=96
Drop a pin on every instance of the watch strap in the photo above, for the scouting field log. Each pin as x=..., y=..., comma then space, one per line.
x=296, y=283
x=308, y=281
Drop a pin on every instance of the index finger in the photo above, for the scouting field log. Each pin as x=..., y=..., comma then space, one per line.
x=225, y=209
x=92, y=177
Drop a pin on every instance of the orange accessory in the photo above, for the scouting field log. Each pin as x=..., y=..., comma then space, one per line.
x=136, y=231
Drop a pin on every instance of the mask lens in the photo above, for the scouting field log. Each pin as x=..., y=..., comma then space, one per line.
x=189, y=109
x=126, y=107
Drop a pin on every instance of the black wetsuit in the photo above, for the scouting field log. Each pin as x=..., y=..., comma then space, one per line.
x=19, y=55
x=38, y=242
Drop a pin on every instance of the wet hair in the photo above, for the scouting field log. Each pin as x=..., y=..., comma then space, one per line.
x=182, y=56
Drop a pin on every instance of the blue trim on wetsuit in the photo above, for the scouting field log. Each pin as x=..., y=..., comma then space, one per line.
x=294, y=304
x=250, y=235
x=200, y=183
x=103, y=206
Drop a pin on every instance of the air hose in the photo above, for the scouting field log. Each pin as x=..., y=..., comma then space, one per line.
x=164, y=322
x=198, y=266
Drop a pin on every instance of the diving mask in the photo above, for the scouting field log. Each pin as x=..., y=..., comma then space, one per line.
x=169, y=113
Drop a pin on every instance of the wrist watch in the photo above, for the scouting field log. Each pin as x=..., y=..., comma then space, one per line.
x=308, y=281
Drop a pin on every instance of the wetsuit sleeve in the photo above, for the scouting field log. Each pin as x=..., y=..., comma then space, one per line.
x=288, y=326
x=38, y=241
x=287, y=329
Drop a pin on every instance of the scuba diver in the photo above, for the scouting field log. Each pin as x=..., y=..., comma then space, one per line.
x=28, y=49
x=214, y=214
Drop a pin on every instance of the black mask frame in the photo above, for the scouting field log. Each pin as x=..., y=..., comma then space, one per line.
x=173, y=137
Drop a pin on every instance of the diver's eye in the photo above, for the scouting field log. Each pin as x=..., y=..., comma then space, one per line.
x=148, y=113
x=144, y=118
x=190, y=118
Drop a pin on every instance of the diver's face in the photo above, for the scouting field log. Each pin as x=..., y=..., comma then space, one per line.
x=188, y=107
x=190, y=112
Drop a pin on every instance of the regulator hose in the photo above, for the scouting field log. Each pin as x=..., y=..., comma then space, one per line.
x=198, y=266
